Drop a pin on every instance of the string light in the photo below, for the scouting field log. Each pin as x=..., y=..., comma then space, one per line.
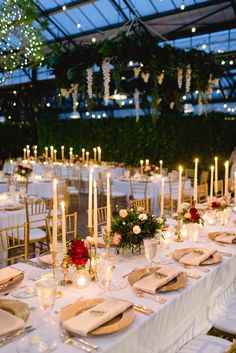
x=193, y=29
x=182, y=6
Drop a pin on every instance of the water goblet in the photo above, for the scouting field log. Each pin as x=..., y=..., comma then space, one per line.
x=150, y=248
x=46, y=290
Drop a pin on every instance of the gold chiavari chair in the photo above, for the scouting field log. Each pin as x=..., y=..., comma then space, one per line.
x=62, y=193
x=202, y=193
x=102, y=217
x=144, y=203
x=13, y=244
x=168, y=203
x=204, y=177
x=187, y=195
x=220, y=188
x=189, y=173
x=118, y=198
x=71, y=226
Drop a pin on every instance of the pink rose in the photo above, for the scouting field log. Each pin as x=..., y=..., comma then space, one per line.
x=116, y=239
x=123, y=213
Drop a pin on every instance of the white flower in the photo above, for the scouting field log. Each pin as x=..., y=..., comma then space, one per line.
x=123, y=223
x=142, y=217
x=136, y=229
x=123, y=213
x=140, y=209
x=185, y=205
x=160, y=220
x=187, y=215
x=23, y=171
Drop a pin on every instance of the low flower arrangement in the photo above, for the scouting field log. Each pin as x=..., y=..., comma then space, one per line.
x=150, y=169
x=23, y=170
x=78, y=253
x=190, y=215
x=219, y=205
x=133, y=225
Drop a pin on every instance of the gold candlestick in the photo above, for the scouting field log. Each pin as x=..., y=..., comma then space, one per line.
x=93, y=264
x=59, y=293
x=178, y=237
x=66, y=263
x=108, y=244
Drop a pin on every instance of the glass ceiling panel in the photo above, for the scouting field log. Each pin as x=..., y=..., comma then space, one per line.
x=143, y=8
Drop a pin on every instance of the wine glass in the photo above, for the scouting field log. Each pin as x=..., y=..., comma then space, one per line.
x=46, y=289
x=150, y=248
x=104, y=271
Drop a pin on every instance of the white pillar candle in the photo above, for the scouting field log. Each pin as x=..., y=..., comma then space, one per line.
x=141, y=167
x=108, y=203
x=162, y=197
x=180, y=188
x=51, y=152
x=24, y=153
x=147, y=162
x=99, y=154
x=87, y=157
x=216, y=176
x=83, y=154
x=90, y=199
x=62, y=153
x=55, y=155
x=161, y=165
x=235, y=190
x=211, y=185
x=46, y=153
x=71, y=154
x=54, y=219
x=226, y=178
x=63, y=227
x=94, y=154
x=195, y=183
x=28, y=153
x=95, y=215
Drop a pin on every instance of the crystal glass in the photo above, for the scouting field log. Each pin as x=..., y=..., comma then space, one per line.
x=104, y=271
x=150, y=248
x=46, y=289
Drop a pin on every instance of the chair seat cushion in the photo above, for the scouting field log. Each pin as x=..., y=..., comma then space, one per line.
x=205, y=344
x=35, y=233
x=227, y=322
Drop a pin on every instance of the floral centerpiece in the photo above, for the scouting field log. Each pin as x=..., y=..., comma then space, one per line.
x=78, y=253
x=133, y=225
x=190, y=215
x=219, y=205
x=23, y=170
x=150, y=169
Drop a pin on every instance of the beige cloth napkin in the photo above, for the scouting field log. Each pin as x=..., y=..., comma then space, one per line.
x=197, y=256
x=226, y=238
x=45, y=259
x=158, y=279
x=91, y=319
x=7, y=273
x=9, y=323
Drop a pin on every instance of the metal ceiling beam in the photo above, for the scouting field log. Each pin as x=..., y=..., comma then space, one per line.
x=233, y=4
x=199, y=19
x=118, y=7
x=69, y=6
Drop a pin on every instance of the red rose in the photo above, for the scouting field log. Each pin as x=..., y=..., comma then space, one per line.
x=195, y=216
x=214, y=204
x=193, y=210
x=79, y=253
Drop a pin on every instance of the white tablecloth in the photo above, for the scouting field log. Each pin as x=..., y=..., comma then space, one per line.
x=187, y=312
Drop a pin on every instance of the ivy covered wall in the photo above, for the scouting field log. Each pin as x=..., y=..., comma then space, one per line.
x=174, y=139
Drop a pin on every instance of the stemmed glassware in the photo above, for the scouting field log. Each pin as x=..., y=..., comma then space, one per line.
x=46, y=289
x=150, y=248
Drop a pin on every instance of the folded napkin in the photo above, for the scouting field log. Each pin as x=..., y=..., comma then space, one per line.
x=226, y=238
x=91, y=319
x=9, y=323
x=197, y=256
x=46, y=259
x=7, y=273
x=158, y=279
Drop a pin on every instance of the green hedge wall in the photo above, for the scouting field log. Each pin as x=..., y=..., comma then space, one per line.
x=173, y=139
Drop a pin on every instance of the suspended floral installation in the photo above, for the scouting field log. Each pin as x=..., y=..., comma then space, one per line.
x=136, y=63
x=20, y=43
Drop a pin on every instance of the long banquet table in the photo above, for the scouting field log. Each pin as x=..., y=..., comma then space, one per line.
x=188, y=312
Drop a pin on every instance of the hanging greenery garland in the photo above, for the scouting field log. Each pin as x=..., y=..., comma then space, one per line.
x=20, y=43
x=90, y=82
x=106, y=79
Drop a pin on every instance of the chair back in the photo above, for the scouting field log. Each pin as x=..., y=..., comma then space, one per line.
x=202, y=193
x=219, y=186
x=204, y=177
x=144, y=203
x=37, y=210
x=13, y=244
x=187, y=195
x=71, y=226
x=138, y=186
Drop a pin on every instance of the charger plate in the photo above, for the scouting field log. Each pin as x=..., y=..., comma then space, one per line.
x=6, y=287
x=214, y=259
x=213, y=235
x=118, y=323
x=177, y=283
x=15, y=307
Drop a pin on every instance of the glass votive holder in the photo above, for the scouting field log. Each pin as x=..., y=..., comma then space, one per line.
x=81, y=279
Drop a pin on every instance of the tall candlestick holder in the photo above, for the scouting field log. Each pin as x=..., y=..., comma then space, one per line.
x=59, y=293
x=178, y=237
x=93, y=256
x=66, y=263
